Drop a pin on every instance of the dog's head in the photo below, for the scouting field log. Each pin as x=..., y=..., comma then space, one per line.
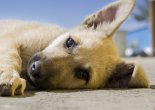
x=84, y=57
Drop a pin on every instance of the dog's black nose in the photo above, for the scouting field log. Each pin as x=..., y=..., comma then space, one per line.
x=36, y=69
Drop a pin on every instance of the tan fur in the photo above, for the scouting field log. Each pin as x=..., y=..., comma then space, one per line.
x=139, y=78
x=96, y=50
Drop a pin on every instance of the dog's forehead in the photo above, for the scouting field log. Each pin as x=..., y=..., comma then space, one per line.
x=84, y=37
x=89, y=39
x=89, y=34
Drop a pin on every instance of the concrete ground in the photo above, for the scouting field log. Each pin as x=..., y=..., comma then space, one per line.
x=131, y=99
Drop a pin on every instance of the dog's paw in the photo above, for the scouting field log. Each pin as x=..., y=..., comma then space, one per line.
x=11, y=84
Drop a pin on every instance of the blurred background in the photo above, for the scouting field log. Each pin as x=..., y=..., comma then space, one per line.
x=134, y=38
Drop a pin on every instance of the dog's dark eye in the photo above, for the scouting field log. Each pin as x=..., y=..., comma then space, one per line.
x=82, y=74
x=70, y=43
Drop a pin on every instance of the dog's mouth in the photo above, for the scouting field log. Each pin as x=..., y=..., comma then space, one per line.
x=30, y=85
x=29, y=80
x=37, y=83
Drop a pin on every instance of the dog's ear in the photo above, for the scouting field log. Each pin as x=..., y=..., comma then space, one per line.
x=121, y=76
x=109, y=18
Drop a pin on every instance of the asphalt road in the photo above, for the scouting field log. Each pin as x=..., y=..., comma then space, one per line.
x=130, y=99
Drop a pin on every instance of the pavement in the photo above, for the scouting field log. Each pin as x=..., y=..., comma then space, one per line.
x=126, y=99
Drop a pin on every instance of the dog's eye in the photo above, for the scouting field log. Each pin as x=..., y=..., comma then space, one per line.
x=82, y=74
x=70, y=43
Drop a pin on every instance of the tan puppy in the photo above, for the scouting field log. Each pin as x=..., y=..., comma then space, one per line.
x=84, y=57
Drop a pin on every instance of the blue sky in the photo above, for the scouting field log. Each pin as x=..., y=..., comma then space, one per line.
x=67, y=13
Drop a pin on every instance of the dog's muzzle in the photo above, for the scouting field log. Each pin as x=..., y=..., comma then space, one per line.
x=34, y=67
x=35, y=72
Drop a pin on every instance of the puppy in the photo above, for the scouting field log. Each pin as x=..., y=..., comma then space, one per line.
x=83, y=57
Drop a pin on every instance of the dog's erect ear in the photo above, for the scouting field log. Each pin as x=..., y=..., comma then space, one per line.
x=109, y=18
x=121, y=76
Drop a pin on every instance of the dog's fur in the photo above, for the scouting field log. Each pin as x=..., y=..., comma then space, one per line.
x=94, y=52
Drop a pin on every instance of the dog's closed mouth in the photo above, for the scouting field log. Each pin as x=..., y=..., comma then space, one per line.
x=30, y=83
x=29, y=80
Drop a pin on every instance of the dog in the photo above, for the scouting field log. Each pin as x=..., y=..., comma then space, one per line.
x=84, y=57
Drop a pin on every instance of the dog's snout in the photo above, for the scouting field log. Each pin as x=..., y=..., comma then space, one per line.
x=36, y=69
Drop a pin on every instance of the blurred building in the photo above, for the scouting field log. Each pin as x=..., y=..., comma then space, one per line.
x=140, y=29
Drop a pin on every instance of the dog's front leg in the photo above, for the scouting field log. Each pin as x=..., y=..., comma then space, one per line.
x=10, y=66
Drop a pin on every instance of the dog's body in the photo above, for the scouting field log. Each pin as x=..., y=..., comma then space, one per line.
x=84, y=57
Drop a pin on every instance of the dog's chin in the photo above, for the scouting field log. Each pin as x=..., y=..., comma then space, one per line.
x=30, y=81
x=30, y=84
x=38, y=84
